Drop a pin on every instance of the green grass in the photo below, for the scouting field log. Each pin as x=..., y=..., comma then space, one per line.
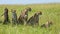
x=50, y=12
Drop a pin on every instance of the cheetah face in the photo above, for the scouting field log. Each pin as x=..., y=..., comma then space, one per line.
x=40, y=13
x=29, y=9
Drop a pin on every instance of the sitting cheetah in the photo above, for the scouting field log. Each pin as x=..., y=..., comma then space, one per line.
x=34, y=20
x=23, y=16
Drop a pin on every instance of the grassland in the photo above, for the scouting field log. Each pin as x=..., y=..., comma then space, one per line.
x=50, y=12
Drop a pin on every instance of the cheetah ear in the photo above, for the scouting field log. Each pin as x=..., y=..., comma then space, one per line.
x=29, y=9
x=40, y=13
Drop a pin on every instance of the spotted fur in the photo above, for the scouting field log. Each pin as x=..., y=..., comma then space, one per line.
x=48, y=24
x=14, y=16
x=34, y=20
x=24, y=15
x=6, y=17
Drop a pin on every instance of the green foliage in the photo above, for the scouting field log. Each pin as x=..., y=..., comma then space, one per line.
x=51, y=12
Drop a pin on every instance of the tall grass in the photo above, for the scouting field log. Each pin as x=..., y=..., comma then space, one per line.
x=50, y=12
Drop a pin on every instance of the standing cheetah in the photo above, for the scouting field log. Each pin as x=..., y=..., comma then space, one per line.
x=14, y=16
x=6, y=17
